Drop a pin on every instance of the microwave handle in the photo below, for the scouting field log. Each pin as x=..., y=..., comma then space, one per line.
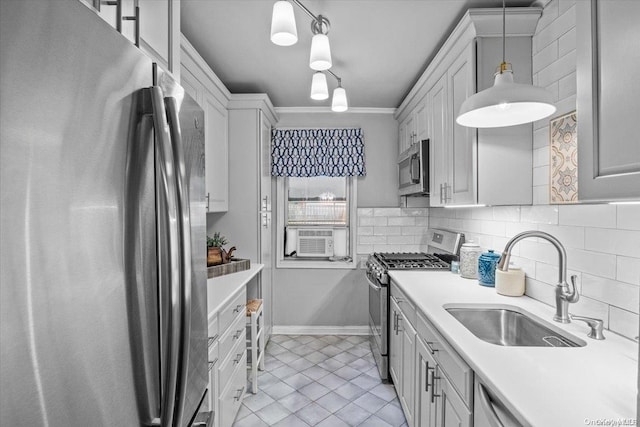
x=414, y=169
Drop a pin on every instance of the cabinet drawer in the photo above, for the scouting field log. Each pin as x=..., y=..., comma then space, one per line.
x=231, y=311
x=214, y=363
x=404, y=303
x=234, y=333
x=213, y=330
x=231, y=396
x=231, y=361
x=456, y=369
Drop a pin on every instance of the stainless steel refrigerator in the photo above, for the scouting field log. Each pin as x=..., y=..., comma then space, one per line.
x=102, y=221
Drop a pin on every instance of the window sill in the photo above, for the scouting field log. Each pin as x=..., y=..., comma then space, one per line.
x=316, y=263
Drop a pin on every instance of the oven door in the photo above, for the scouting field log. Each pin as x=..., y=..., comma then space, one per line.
x=378, y=313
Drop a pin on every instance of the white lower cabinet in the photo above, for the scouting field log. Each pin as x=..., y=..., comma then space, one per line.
x=433, y=383
x=227, y=359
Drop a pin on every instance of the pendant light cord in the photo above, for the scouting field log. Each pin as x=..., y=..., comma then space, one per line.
x=504, y=12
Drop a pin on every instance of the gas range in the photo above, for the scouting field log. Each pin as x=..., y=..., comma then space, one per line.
x=444, y=245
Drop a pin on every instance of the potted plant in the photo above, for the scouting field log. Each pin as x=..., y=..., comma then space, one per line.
x=215, y=252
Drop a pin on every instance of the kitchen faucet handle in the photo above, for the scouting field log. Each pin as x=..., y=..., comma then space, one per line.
x=573, y=296
x=596, y=326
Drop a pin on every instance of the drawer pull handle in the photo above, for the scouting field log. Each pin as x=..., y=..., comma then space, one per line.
x=237, y=334
x=426, y=376
x=238, y=307
x=212, y=364
x=237, y=359
x=238, y=394
x=211, y=340
x=433, y=386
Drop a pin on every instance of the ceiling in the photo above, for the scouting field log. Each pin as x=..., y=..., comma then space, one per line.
x=379, y=47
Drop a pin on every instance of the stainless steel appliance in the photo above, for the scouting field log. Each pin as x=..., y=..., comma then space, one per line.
x=413, y=170
x=103, y=271
x=443, y=247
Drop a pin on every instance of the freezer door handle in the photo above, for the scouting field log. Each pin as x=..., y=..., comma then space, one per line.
x=169, y=278
x=184, y=224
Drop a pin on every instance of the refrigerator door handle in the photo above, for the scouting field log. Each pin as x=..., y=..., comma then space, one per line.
x=169, y=226
x=184, y=223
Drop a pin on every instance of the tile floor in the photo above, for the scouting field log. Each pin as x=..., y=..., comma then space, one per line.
x=323, y=380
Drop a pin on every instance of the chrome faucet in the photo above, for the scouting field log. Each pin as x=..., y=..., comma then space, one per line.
x=563, y=295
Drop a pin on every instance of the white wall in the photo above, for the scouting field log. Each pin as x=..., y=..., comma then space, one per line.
x=329, y=298
x=602, y=241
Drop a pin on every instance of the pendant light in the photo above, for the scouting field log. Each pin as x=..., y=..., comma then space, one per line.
x=339, y=102
x=320, y=56
x=283, y=24
x=505, y=103
x=319, y=89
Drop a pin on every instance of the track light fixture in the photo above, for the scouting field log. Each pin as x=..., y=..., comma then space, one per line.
x=284, y=33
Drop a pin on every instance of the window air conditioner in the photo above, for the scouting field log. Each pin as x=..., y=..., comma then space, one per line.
x=314, y=242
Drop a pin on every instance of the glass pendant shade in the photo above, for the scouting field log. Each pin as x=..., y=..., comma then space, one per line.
x=506, y=104
x=339, y=102
x=319, y=89
x=283, y=24
x=320, y=58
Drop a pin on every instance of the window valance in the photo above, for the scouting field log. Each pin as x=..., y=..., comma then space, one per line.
x=317, y=152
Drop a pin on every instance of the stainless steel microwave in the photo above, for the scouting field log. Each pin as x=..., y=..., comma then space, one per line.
x=413, y=170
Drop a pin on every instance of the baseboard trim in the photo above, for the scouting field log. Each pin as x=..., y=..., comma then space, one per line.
x=320, y=330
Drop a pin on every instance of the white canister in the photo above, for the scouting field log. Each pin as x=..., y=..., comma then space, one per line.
x=469, y=253
x=510, y=282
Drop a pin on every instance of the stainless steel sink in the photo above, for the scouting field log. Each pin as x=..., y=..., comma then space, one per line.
x=511, y=326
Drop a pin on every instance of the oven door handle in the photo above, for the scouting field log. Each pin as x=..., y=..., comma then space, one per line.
x=375, y=287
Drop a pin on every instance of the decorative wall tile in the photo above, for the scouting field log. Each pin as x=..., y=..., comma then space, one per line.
x=563, y=149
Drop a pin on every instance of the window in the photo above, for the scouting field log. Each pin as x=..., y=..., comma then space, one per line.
x=320, y=200
x=315, y=222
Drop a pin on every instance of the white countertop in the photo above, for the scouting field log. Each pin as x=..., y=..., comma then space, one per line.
x=546, y=386
x=221, y=289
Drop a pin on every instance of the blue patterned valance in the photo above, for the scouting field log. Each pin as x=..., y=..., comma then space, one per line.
x=317, y=152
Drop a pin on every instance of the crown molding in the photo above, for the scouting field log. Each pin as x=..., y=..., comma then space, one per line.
x=325, y=110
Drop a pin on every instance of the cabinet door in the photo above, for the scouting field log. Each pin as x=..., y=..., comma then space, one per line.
x=395, y=345
x=216, y=154
x=155, y=31
x=407, y=386
x=402, y=137
x=421, y=119
x=461, y=156
x=109, y=13
x=424, y=414
x=266, y=249
x=437, y=101
x=608, y=151
x=450, y=409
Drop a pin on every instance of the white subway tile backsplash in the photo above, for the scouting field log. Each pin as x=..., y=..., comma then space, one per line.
x=628, y=270
x=387, y=212
x=567, y=86
x=541, y=176
x=482, y=213
x=415, y=212
x=401, y=220
x=549, y=274
x=598, y=264
x=612, y=292
x=628, y=217
x=437, y=222
x=564, y=66
x=495, y=228
x=372, y=221
x=540, y=214
x=619, y=242
x=541, y=136
x=365, y=231
x=549, y=15
x=472, y=225
x=541, y=157
x=372, y=240
x=364, y=249
x=623, y=322
x=506, y=213
x=422, y=221
x=540, y=291
x=513, y=228
x=365, y=212
x=403, y=240
x=588, y=215
x=566, y=105
x=564, y=5
x=569, y=236
x=546, y=56
x=531, y=249
x=387, y=231
x=552, y=32
x=414, y=231
x=567, y=42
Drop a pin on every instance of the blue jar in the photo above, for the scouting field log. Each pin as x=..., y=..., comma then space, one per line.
x=487, y=264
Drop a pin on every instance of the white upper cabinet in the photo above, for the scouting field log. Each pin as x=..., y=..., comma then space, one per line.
x=200, y=82
x=467, y=165
x=157, y=27
x=608, y=61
